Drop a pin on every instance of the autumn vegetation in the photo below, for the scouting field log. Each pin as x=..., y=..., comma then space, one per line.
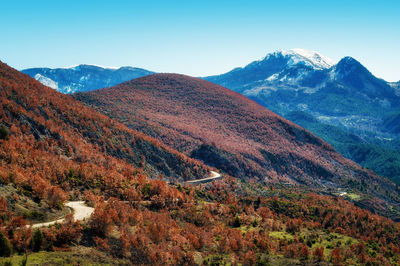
x=238, y=136
x=54, y=149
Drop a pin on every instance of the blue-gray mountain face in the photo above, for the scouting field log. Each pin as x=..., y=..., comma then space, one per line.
x=84, y=77
x=343, y=103
x=345, y=93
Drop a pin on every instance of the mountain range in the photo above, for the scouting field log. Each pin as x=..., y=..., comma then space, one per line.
x=344, y=99
x=84, y=77
x=305, y=80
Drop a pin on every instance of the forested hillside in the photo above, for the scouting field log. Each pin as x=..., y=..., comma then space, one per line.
x=54, y=149
x=230, y=132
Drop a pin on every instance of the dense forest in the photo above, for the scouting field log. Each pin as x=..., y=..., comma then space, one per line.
x=53, y=150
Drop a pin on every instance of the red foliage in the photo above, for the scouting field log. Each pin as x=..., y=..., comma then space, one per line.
x=249, y=258
x=100, y=221
x=304, y=252
x=318, y=253
x=101, y=243
x=68, y=232
x=21, y=238
x=56, y=196
x=3, y=206
x=336, y=257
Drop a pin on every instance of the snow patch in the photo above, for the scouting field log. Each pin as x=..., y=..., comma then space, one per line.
x=84, y=78
x=273, y=77
x=46, y=81
x=302, y=106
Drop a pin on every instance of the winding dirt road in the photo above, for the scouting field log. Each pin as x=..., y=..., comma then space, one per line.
x=80, y=212
x=214, y=175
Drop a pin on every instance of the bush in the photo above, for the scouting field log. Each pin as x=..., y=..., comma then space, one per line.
x=319, y=253
x=5, y=246
x=36, y=215
x=237, y=222
x=146, y=189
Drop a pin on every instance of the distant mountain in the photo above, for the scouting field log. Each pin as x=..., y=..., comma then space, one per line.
x=271, y=66
x=84, y=77
x=285, y=81
x=344, y=95
x=232, y=133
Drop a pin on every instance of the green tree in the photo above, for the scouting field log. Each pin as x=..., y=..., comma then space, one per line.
x=37, y=240
x=5, y=246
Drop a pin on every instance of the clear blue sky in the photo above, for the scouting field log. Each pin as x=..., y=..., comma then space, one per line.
x=197, y=37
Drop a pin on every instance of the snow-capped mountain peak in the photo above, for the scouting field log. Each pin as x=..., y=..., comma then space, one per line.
x=314, y=57
x=308, y=57
x=299, y=56
x=284, y=64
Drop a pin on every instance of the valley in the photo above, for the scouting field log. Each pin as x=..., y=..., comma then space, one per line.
x=191, y=133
